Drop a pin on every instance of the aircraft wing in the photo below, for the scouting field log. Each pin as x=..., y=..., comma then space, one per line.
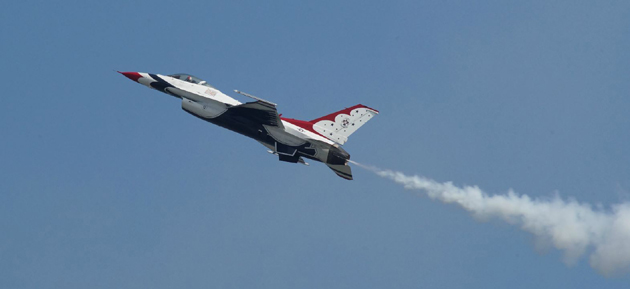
x=262, y=112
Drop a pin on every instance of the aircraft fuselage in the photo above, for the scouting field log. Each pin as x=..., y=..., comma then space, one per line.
x=258, y=120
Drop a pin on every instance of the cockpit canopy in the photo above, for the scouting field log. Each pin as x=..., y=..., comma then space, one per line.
x=190, y=78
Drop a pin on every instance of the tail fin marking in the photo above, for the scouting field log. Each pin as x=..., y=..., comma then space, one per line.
x=338, y=126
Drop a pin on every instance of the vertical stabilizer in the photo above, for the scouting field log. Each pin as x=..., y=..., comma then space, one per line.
x=340, y=125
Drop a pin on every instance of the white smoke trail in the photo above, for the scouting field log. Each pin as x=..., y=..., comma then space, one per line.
x=568, y=225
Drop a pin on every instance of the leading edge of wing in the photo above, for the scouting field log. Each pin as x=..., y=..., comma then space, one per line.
x=255, y=97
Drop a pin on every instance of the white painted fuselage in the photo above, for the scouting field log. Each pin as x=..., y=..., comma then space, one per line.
x=290, y=139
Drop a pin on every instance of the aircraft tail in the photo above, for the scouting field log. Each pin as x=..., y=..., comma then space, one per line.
x=343, y=171
x=338, y=126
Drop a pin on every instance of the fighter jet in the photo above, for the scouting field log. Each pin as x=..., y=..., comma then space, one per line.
x=291, y=140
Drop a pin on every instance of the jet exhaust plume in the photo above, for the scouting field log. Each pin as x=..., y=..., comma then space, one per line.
x=570, y=226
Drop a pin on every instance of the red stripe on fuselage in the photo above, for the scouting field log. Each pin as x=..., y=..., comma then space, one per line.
x=303, y=124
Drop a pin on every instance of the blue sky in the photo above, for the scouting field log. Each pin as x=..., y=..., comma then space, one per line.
x=107, y=184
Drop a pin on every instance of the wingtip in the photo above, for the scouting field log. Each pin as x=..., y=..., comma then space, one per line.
x=365, y=106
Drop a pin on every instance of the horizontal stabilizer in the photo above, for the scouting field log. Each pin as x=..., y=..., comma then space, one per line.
x=343, y=171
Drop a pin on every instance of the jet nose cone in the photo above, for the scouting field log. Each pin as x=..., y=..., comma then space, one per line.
x=131, y=75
